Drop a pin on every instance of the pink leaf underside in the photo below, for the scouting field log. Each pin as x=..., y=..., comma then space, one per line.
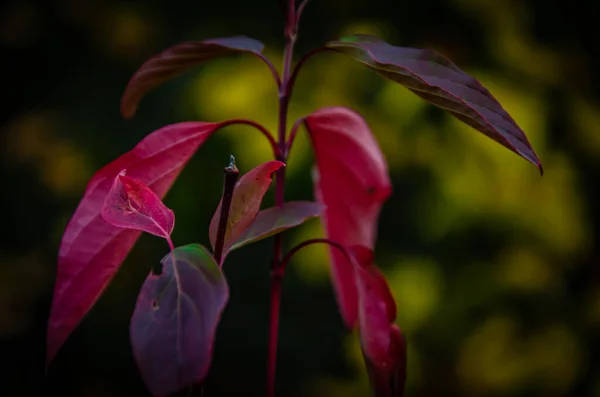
x=245, y=203
x=277, y=219
x=352, y=181
x=91, y=249
x=389, y=381
x=440, y=82
x=175, y=320
x=377, y=308
x=177, y=59
x=132, y=205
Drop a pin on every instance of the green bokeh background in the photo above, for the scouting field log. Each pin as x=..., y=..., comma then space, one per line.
x=494, y=268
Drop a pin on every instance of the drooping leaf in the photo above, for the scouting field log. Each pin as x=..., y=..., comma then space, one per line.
x=377, y=308
x=389, y=381
x=175, y=319
x=245, y=203
x=91, y=249
x=177, y=59
x=277, y=219
x=440, y=82
x=382, y=344
x=132, y=205
x=352, y=181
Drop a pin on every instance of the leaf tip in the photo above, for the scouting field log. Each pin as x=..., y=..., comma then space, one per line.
x=128, y=109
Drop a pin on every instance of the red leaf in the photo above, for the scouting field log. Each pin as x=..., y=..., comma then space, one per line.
x=91, y=249
x=398, y=353
x=177, y=59
x=377, y=308
x=352, y=182
x=440, y=82
x=245, y=203
x=389, y=381
x=132, y=205
x=277, y=219
x=175, y=319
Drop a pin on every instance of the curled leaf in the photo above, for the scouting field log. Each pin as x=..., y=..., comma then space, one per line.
x=245, y=204
x=91, y=249
x=382, y=343
x=131, y=204
x=175, y=320
x=177, y=59
x=377, y=308
x=440, y=82
x=389, y=381
x=277, y=219
x=352, y=181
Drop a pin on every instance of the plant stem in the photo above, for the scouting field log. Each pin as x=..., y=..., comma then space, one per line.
x=277, y=269
x=231, y=176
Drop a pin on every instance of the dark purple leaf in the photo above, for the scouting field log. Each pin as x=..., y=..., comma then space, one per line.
x=440, y=82
x=177, y=59
x=132, y=205
x=175, y=319
x=92, y=250
x=277, y=219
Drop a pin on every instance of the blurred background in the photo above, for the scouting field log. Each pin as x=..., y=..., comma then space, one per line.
x=494, y=268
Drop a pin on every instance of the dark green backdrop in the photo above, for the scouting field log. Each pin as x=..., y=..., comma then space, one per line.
x=495, y=269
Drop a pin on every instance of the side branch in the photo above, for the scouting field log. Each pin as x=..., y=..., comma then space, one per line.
x=231, y=176
x=276, y=150
x=306, y=243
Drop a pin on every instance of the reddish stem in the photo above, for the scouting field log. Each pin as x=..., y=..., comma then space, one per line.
x=276, y=269
x=306, y=243
x=231, y=176
x=170, y=242
x=301, y=61
x=262, y=129
x=293, y=133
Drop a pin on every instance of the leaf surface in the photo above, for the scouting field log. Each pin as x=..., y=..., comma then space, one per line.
x=175, y=319
x=132, y=205
x=377, y=308
x=177, y=59
x=440, y=82
x=352, y=181
x=245, y=203
x=382, y=343
x=91, y=249
x=277, y=219
x=389, y=381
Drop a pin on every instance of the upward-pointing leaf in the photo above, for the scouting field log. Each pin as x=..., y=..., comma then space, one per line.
x=175, y=320
x=132, y=205
x=245, y=204
x=440, y=82
x=177, y=59
x=92, y=250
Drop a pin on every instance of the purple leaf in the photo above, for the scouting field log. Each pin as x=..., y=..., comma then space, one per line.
x=245, y=203
x=440, y=82
x=277, y=219
x=177, y=59
x=92, y=250
x=352, y=182
x=132, y=205
x=175, y=319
